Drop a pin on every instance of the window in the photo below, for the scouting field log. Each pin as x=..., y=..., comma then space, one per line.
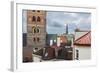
x=77, y=54
x=33, y=18
x=38, y=19
x=34, y=39
x=34, y=29
x=33, y=10
x=38, y=10
x=38, y=30
x=38, y=39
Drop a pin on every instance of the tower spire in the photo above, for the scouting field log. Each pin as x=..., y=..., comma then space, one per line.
x=66, y=28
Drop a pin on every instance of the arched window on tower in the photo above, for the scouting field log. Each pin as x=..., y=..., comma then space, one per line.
x=33, y=18
x=38, y=19
x=38, y=39
x=34, y=39
x=38, y=30
x=33, y=10
x=33, y=29
x=38, y=10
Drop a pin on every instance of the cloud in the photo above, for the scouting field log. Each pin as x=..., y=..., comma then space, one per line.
x=57, y=20
x=74, y=15
x=56, y=24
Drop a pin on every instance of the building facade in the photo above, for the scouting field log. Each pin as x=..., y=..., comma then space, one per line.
x=82, y=45
x=36, y=29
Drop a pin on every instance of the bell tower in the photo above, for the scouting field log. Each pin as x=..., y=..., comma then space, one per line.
x=36, y=29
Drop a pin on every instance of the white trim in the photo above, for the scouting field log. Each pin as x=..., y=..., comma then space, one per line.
x=17, y=31
x=13, y=37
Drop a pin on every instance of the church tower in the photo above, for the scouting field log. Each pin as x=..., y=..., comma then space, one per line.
x=36, y=29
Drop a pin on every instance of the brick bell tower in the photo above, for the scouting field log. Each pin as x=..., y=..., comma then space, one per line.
x=36, y=29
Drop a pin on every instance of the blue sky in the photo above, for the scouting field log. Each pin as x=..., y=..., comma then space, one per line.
x=56, y=21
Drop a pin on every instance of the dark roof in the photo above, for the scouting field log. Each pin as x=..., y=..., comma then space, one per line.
x=39, y=52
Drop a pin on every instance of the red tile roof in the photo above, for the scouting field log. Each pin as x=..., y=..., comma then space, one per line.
x=84, y=39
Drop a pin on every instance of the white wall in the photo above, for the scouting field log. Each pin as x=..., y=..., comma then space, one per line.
x=36, y=58
x=84, y=52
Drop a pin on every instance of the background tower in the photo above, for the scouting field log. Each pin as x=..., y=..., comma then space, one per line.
x=66, y=28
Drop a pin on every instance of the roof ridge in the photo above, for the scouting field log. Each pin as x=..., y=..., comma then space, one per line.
x=82, y=36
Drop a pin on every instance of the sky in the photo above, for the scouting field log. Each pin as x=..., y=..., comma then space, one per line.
x=24, y=21
x=56, y=21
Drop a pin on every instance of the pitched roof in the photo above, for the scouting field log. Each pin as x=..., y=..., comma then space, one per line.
x=84, y=39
